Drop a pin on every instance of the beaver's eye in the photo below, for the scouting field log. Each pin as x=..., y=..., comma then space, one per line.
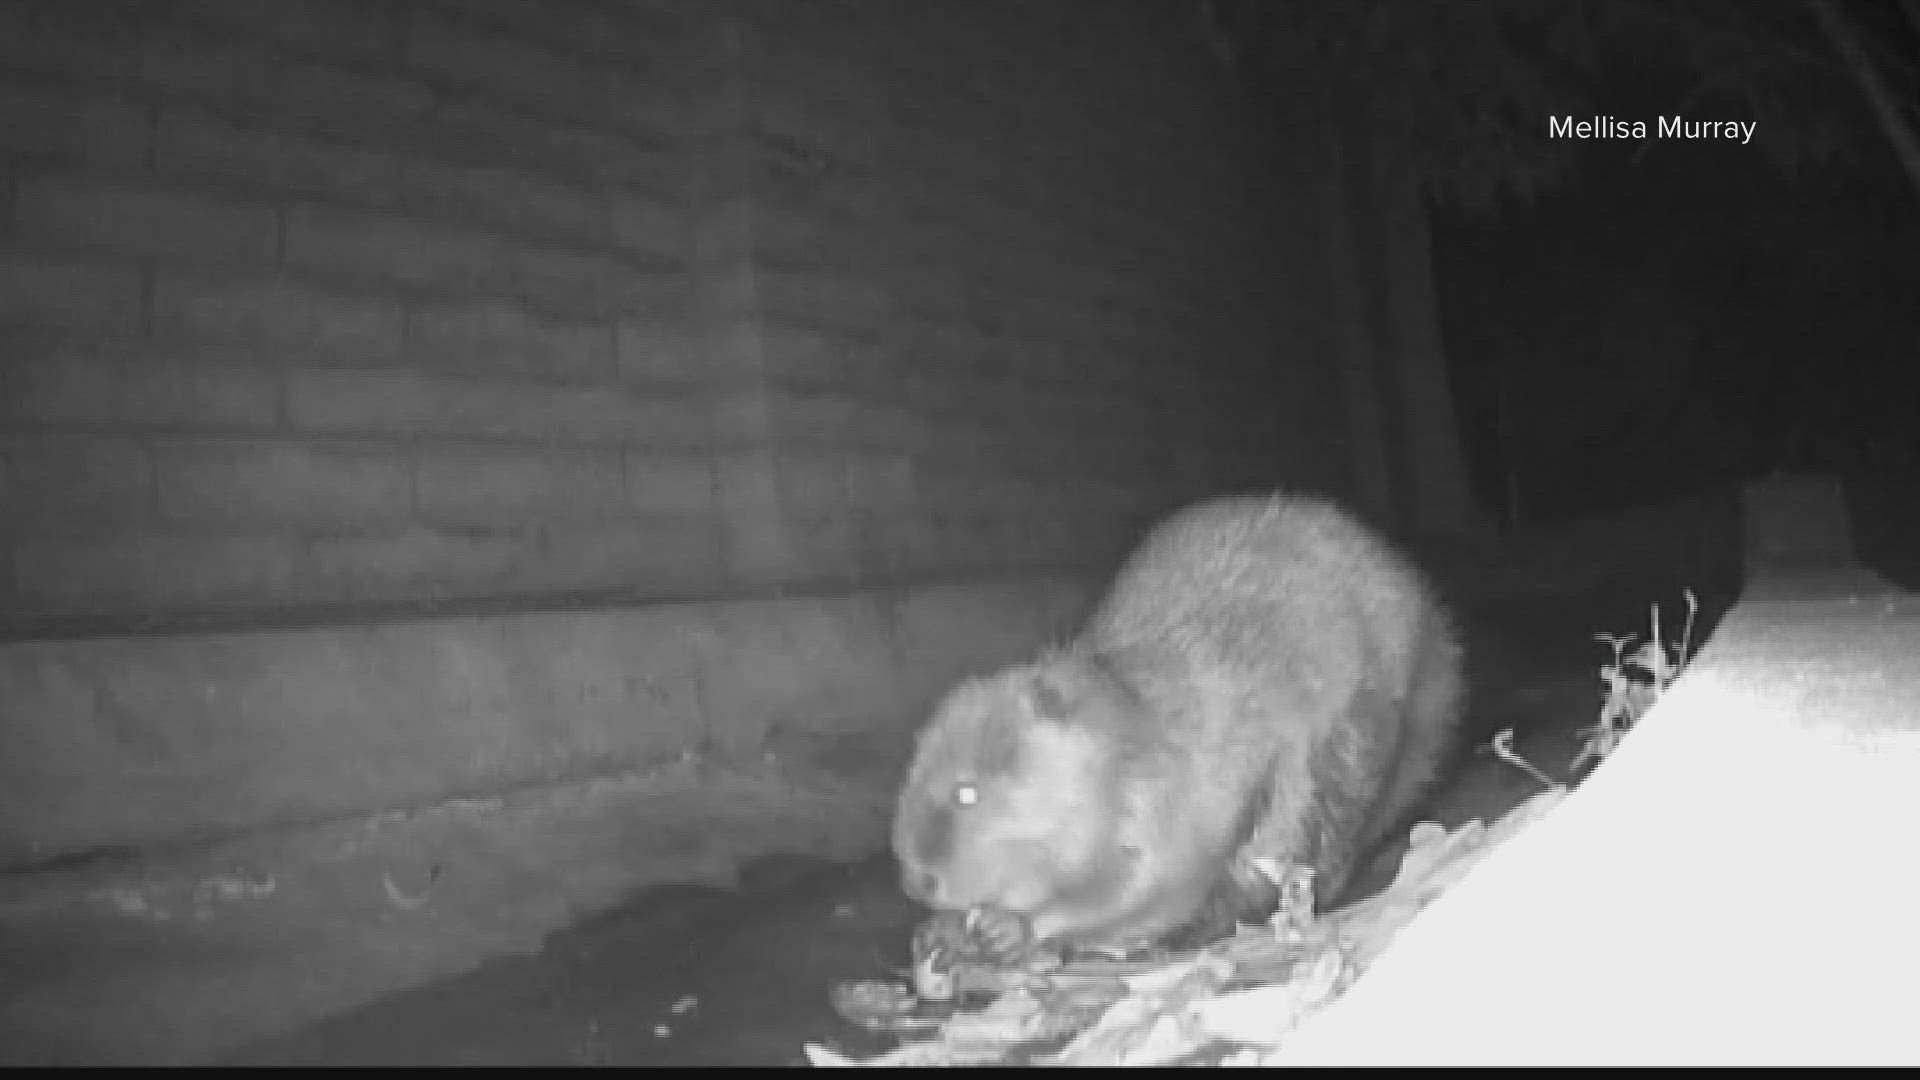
x=966, y=794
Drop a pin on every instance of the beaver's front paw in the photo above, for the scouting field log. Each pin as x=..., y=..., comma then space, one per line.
x=1002, y=935
x=981, y=935
x=943, y=935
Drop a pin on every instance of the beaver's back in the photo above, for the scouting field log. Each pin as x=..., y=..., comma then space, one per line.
x=1279, y=592
x=1302, y=675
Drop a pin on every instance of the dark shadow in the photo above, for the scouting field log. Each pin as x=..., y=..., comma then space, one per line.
x=1884, y=516
x=682, y=975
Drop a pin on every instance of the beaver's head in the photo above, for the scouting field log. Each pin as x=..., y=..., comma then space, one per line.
x=1015, y=799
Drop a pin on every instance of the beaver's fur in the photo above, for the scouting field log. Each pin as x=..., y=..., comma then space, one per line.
x=1266, y=677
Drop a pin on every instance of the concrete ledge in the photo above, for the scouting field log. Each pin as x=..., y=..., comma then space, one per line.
x=132, y=740
x=1734, y=886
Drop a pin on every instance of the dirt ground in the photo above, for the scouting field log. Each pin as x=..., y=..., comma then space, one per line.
x=214, y=954
x=689, y=976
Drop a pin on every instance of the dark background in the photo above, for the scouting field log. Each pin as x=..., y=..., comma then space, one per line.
x=1682, y=314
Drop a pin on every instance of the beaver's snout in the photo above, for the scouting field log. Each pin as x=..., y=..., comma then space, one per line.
x=921, y=885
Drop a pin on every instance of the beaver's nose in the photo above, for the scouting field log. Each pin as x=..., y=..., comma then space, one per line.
x=921, y=885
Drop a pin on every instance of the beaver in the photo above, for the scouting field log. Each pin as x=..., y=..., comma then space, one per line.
x=1265, y=677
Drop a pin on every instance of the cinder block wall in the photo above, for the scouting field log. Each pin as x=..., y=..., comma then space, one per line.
x=314, y=303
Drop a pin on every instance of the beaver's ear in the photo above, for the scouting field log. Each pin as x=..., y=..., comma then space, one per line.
x=1048, y=697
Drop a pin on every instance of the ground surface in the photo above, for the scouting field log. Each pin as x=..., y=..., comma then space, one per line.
x=217, y=953
x=741, y=977
x=1680, y=907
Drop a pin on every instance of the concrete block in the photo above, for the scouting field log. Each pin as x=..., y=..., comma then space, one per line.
x=139, y=738
x=408, y=405
x=278, y=313
x=587, y=284
x=200, y=573
x=200, y=397
x=381, y=250
x=259, y=487
x=795, y=417
x=812, y=484
x=813, y=665
x=503, y=488
x=395, y=403
x=721, y=227
x=384, y=179
x=883, y=493
x=741, y=414
x=793, y=115
x=826, y=298
x=411, y=566
x=473, y=129
x=70, y=297
x=455, y=52
x=663, y=352
x=356, y=32
x=946, y=633
x=653, y=558
x=196, y=145
x=881, y=480
x=656, y=559
x=799, y=241
x=656, y=228
x=59, y=388
x=655, y=109
x=579, y=30
x=76, y=574
x=538, y=207
x=671, y=484
x=142, y=220
x=498, y=337
x=74, y=127
x=133, y=740
x=77, y=484
x=158, y=573
x=45, y=51
x=815, y=357
x=759, y=552
x=187, y=65
x=623, y=688
x=653, y=295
